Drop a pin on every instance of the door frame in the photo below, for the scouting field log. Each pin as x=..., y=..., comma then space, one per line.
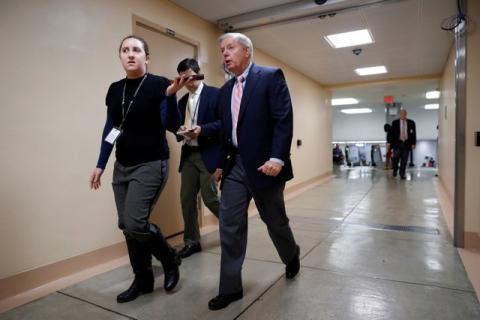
x=138, y=21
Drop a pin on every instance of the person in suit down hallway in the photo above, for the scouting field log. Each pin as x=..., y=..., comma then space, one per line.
x=257, y=129
x=403, y=139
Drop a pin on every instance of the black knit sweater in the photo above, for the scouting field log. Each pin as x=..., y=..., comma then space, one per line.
x=151, y=114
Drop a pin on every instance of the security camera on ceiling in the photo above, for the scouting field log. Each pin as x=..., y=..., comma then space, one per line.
x=357, y=51
x=320, y=2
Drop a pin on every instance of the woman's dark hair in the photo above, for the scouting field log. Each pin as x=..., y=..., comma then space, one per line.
x=144, y=43
x=188, y=63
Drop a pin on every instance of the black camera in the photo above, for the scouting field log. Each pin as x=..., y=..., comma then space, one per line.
x=357, y=51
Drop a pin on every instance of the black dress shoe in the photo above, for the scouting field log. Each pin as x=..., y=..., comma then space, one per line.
x=293, y=266
x=141, y=285
x=403, y=177
x=394, y=174
x=223, y=300
x=172, y=273
x=190, y=249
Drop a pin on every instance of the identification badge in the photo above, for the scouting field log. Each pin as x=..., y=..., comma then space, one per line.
x=113, y=135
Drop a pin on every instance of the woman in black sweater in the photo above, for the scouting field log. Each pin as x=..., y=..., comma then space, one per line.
x=140, y=108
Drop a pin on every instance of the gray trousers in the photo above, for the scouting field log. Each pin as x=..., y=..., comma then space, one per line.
x=195, y=178
x=136, y=190
x=236, y=195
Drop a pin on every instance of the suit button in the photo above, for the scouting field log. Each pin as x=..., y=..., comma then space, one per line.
x=228, y=157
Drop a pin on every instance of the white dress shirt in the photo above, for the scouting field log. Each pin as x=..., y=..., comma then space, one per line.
x=191, y=113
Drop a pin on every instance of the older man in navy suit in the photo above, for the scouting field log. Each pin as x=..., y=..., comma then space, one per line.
x=257, y=130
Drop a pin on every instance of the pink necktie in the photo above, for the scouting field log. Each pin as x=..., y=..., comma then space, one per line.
x=403, y=135
x=237, y=99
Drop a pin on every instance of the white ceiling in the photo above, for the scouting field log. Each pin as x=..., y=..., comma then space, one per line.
x=407, y=34
x=410, y=93
x=370, y=126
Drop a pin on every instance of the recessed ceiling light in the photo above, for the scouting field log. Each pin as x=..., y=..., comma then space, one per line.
x=371, y=70
x=349, y=39
x=356, y=111
x=344, y=101
x=432, y=106
x=432, y=94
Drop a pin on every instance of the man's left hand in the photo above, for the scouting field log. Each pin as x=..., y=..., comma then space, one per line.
x=194, y=132
x=413, y=147
x=270, y=168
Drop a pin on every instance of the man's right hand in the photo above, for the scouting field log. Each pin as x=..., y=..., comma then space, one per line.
x=95, y=178
x=217, y=175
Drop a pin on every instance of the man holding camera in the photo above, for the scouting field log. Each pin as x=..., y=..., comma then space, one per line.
x=200, y=151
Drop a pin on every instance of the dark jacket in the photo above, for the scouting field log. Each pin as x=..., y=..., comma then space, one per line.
x=209, y=120
x=264, y=128
x=394, y=133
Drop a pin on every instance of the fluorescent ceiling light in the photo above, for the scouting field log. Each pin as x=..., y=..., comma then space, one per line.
x=432, y=94
x=349, y=39
x=356, y=111
x=371, y=70
x=344, y=101
x=432, y=106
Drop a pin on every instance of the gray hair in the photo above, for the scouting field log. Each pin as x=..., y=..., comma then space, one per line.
x=240, y=38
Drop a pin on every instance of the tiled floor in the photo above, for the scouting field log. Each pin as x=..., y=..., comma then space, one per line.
x=355, y=265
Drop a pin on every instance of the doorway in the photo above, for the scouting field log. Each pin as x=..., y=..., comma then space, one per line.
x=167, y=49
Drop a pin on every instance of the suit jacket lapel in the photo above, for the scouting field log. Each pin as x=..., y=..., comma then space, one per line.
x=183, y=108
x=251, y=83
x=201, y=108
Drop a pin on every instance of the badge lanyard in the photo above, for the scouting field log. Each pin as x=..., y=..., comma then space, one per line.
x=115, y=132
x=125, y=113
x=192, y=117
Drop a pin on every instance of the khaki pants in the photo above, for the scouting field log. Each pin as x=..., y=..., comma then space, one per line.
x=195, y=178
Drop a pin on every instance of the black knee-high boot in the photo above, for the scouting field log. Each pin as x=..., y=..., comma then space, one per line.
x=141, y=261
x=167, y=255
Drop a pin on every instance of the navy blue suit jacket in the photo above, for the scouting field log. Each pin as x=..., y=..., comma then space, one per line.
x=209, y=120
x=395, y=133
x=264, y=128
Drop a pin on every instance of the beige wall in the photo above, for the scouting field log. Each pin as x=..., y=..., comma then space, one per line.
x=446, y=125
x=59, y=58
x=472, y=183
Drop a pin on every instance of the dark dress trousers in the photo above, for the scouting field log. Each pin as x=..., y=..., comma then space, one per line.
x=401, y=149
x=264, y=131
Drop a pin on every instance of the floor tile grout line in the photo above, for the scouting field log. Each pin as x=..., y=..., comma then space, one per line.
x=259, y=297
x=363, y=198
x=337, y=226
x=96, y=305
x=386, y=279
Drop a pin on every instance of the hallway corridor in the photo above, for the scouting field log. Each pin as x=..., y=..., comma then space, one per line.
x=372, y=247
